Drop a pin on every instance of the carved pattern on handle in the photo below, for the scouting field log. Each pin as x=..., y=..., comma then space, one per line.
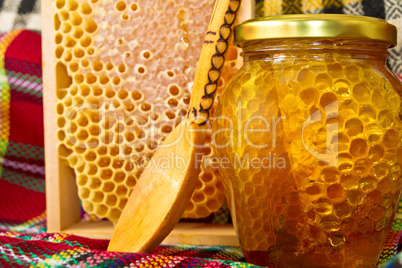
x=201, y=116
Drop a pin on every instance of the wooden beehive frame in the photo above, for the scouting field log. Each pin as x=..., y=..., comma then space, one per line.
x=63, y=205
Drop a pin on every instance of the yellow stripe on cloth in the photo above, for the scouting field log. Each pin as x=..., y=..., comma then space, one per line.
x=278, y=7
x=5, y=96
x=312, y=6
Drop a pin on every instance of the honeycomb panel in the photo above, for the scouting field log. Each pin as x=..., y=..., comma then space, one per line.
x=124, y=75
x=343, y=208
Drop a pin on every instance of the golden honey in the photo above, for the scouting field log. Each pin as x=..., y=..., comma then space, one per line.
x=308, y=140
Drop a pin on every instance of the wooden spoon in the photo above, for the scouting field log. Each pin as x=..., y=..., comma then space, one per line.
x=161, y=194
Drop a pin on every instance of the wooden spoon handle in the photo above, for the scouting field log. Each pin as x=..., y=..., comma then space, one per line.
x=211, y=60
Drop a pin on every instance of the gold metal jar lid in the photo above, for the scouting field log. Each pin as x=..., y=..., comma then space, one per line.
x=316, y=26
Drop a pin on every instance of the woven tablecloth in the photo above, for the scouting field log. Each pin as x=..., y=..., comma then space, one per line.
x=23, y=238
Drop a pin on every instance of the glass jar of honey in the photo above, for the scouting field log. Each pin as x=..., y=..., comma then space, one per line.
x=308, y=140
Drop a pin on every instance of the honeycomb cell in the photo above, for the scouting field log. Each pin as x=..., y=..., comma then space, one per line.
x=73, y=66
x=172, y=103
x=140, y=69
x=337, y=239
x=166, y=129
x=78, y=52
x=90, y=51
x=121, y=6
x=83, y=192
x=60, y=110
x=391, y=138
x=330, y=224
x=114, y=214
x=60, y=3
x=82, y=180
x=122, y=203
x=306, y=77
x=64, y=15
x=72, y=5
x=323, y=82
x=111, y=200
x=342, y=87
x=345, y=162
x=354, y=127
x=69, y=42
x=101, y=210
x=362, y=166
x=385, y=185
x=85, y=9
x=174, y=90
x=367, y=113
x=125, y=17
x=314, y=190
x=323, y=207
x=90, y=26
x=119, y=176
x=95, y=183
x=130, y=181
x=373, y=133
x=80, y=149
x=367, y=184
x=358, y=147
x=385, y=119
x=390, y=157
x=328, y=99
x=67, y=56
x=170, y=73
x=309, y=95
x=116, y=81
x=59, y=52
x=136, y=95
x=122, y=68
x=88, y=206
x=61, y=135
x=90, y=79
x=91, y=169
x=103, y=80
x=146, y=55
x=121, y=190
x=352, y=73
x=335, y=192
x=354, y=196
x=335, y=70
x=134, y=7
x=330, y=175
x=343, y=209
x=106, y=174
x=75, y=19
x=82, y=135
x=378, y=99
x=361, y=92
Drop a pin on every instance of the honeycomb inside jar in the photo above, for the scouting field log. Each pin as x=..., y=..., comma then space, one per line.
x=324, y=129
x=124, y=73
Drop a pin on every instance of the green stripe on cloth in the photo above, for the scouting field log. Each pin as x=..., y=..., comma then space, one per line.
x=3, y=146
x=26, y=83
x=27, y=151
x=20, y=179
x=33, y=226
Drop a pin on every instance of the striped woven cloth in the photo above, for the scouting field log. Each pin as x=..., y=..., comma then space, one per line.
x=23, y=238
